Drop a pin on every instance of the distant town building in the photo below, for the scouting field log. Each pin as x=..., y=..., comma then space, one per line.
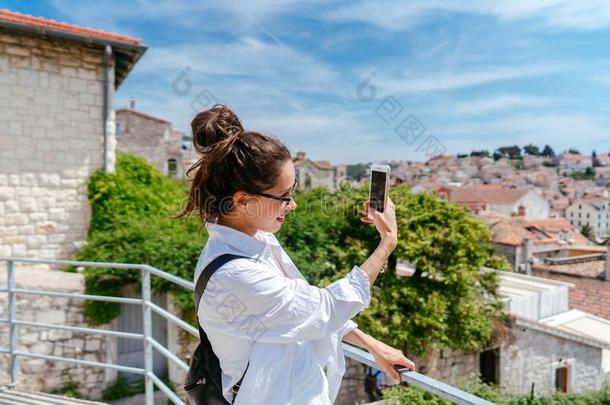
x=603, y=160
x=341, y=175
x=313, y=173
x=594, y=212
x=602, y=176
x=569, y=163
x=508, y=201
x=518, y=238
x=152, y=138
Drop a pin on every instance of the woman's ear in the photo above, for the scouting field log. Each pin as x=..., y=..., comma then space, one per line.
x=241, y=199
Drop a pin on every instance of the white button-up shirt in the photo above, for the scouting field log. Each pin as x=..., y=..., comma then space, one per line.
x=261, y=310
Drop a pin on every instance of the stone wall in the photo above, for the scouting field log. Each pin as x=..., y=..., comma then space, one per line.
x=44, y=375
x=352, y=386
x=51, y=139
x=533, y=356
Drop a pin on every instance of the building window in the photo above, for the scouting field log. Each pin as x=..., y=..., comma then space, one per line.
x=172, y=168
x=561, y=379
x=118, y=130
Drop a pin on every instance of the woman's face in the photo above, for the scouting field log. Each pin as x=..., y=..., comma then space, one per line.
x=266, y=213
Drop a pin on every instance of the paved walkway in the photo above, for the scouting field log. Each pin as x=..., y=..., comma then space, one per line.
x=18, y=397
x=139, y=399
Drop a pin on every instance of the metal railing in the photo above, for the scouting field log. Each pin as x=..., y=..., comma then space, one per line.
x=150, y=379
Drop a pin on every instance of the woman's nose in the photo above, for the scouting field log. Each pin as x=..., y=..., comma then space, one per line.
x=292, y=205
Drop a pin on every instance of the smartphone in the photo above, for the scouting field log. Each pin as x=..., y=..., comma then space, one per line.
x=379, y=182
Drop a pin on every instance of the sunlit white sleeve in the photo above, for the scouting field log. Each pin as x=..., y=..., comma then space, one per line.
x=248, y=299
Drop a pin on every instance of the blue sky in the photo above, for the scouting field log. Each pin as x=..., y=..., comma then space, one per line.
x=474, y=74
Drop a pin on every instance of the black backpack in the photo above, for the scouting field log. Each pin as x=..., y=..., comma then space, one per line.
x=203, y=383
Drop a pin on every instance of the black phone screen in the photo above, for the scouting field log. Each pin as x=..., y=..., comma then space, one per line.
x=377, y=198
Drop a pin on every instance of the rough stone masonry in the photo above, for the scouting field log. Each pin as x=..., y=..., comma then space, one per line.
x=51, y=139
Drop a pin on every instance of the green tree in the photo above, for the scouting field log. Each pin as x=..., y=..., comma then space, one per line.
x=594, y=160
x=586, y=231
x=511, y=152
x=548, y=151
x=531, y=150
x=480, y=153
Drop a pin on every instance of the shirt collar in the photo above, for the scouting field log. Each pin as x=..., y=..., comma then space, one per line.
x=250, y=245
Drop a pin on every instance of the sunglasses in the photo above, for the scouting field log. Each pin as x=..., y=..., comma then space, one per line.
x=281, y=198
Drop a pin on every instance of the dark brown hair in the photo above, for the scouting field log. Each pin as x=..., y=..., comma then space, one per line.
x=231, y=159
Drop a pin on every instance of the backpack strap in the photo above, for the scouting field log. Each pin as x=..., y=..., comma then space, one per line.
x=200, y=285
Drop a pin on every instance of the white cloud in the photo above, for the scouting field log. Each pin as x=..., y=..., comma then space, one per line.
x=448, y=80
x=494, y=103
x=398, y=15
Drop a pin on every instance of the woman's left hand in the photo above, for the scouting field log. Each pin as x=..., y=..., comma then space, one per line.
x=386, y=356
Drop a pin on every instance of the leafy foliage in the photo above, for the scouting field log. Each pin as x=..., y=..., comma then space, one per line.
x=131, y=223
x=402, y=394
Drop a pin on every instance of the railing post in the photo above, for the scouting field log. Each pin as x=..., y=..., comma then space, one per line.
x=12, y=310
x=147, y=326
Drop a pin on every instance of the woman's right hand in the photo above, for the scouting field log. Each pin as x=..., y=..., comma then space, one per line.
x=385, y=221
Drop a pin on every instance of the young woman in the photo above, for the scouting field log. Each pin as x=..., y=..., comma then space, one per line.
x=265, y=322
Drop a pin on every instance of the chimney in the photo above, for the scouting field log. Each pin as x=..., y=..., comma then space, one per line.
x=300, y=155
x=527, y=255
x=132, y=103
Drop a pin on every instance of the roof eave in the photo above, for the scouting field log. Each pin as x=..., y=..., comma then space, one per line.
x=127, y=54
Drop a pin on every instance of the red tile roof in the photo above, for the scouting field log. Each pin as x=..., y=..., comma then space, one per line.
x=513, y=230
x=592, y=296
x=589, y=269
x=487, y=194
x=40, y=22
x=594, y=299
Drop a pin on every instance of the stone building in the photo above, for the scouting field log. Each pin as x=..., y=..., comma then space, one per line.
x=57, y=84
x=152, y=138
x=501, y=200
x=591, y=211
x=519, y=239
x=313, y=173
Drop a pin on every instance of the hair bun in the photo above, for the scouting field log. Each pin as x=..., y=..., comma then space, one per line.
x=214, y=126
